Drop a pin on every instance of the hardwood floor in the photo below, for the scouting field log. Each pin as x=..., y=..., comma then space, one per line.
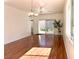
x=50, y=41
x=55, y=42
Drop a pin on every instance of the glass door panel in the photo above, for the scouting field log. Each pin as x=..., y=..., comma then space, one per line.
x=46, y=27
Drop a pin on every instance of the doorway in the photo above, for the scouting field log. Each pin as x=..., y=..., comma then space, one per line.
x=45, y=27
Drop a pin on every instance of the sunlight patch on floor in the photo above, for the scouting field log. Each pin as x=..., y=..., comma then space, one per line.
x=37, y=53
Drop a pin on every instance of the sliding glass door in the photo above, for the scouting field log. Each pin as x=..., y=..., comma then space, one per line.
x=45, y=27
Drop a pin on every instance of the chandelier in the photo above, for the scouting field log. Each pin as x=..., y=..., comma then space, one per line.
x=35, y=12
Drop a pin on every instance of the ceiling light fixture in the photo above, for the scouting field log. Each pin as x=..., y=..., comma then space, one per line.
x=32, y=12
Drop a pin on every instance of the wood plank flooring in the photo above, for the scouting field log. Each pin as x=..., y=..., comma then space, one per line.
x=49, y=41
x=55, y=42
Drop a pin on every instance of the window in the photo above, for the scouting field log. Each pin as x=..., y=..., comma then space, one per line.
x=69, y=19
x=72, y=19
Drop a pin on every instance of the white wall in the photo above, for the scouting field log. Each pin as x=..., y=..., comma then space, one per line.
x=57, y=16
x=69, y=45
x=17, y=24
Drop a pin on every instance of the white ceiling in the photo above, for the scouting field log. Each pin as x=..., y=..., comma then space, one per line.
x=48, y=5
